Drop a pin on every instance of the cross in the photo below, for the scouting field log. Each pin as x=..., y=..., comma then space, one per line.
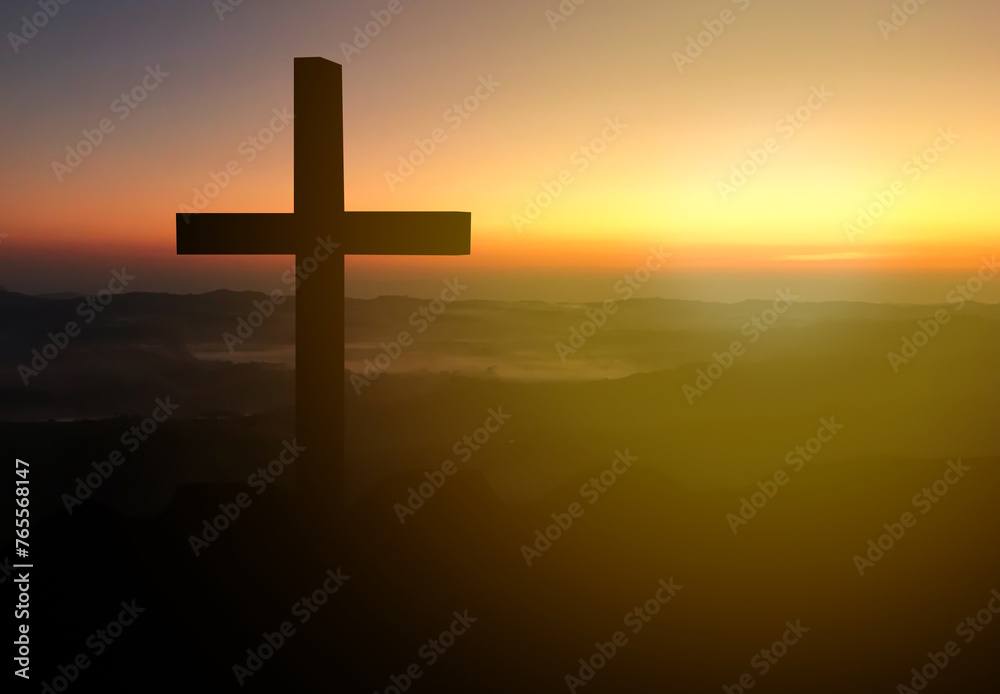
x=319, y=300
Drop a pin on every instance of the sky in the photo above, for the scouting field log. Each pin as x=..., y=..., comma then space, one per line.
x=832, y=144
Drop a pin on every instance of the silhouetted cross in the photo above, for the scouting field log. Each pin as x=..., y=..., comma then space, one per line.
x=319, y=303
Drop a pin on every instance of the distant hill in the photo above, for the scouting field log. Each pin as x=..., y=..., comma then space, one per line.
x=627, y=385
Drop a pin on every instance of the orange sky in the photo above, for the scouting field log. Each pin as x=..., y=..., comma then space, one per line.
x=835, y=114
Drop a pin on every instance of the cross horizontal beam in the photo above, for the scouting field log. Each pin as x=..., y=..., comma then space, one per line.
x=236, y=234
x=408, y=233
x=359, y=233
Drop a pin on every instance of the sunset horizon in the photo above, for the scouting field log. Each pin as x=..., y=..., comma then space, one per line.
x=837, y=163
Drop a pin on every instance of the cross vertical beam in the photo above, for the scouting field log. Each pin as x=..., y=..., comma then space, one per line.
x=319, y=302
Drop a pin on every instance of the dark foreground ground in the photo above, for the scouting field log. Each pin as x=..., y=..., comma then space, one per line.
x=797, y=560
x=461, y=552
